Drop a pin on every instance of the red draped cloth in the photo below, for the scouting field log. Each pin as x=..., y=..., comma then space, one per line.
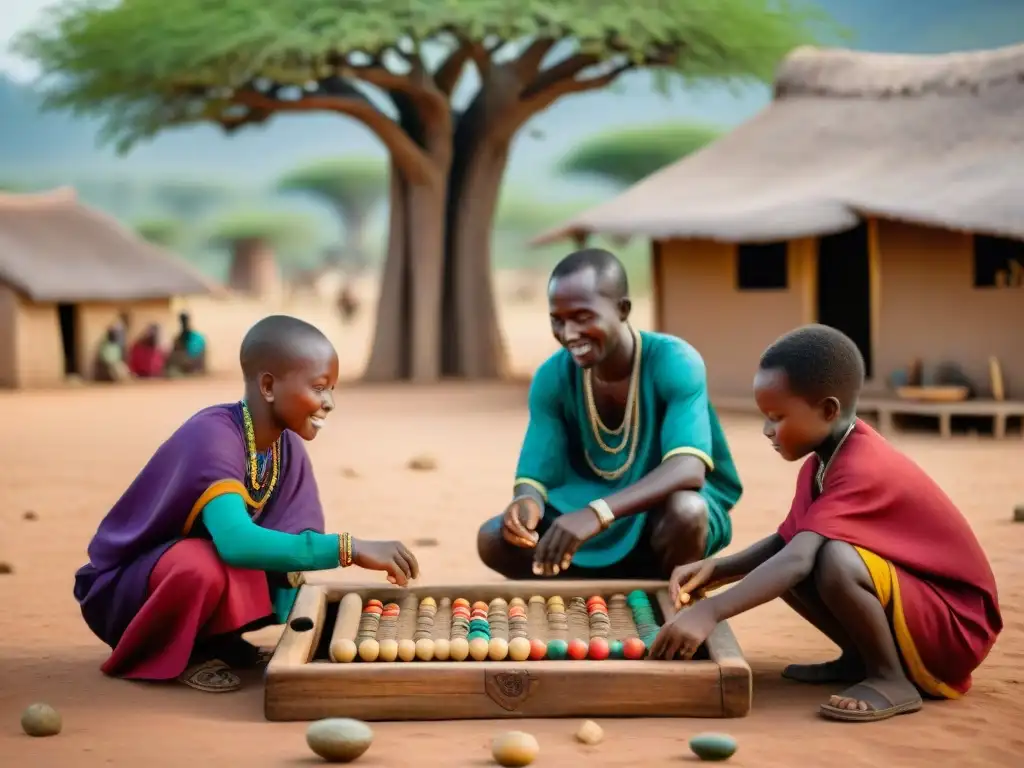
x=927, y=565
x=192, y=595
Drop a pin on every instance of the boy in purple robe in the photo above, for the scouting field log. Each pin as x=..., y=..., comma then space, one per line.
x=211, y=538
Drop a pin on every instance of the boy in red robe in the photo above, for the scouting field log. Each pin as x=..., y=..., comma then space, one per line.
x=873, y=552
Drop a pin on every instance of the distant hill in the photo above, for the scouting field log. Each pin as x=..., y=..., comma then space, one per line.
x=57, y=147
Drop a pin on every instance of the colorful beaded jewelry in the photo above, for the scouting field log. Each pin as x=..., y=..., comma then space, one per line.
x=253, y=459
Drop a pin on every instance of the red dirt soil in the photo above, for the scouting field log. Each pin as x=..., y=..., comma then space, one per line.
x=70, y=453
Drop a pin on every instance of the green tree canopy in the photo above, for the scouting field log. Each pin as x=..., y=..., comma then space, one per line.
x=162, y=231
x=352, y=185
x=625, y=156
x=281, y=229
x=189, y=199
x=394, y=65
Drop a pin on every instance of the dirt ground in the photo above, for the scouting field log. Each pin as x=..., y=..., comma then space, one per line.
x=70, y=453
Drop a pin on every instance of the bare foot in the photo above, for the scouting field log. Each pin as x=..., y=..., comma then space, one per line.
x=848, y=668
x=872, y=700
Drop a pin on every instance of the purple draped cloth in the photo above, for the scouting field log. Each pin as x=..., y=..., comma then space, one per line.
x=205, y=456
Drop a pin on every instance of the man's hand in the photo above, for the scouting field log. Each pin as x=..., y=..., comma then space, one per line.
x=685, y=633
x=689, y=581
x=519, y=522
x=390, y=556
x=564, y=537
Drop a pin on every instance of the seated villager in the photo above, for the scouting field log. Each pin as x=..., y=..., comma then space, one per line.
x=873, y=553
x=109, y=364
x=188, y=354
x=211, y=539
x=146, y=358
x=624, y=471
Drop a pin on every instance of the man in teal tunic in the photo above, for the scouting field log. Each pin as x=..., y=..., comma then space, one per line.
x=624, y=471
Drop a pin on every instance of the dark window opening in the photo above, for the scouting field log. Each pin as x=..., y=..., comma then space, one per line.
x=998, y=262
x=762, y=266
x=68, y=317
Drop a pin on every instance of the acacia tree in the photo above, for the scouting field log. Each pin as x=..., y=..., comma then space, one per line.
x=148, y=64
x=163, y=231
x=625, y=156
x=254, y=239
x=353, y=186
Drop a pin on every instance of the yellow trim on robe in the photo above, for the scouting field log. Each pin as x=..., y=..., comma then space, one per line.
x=533, y=484
x=887, y=588
x=219, y=488
x=685, y=451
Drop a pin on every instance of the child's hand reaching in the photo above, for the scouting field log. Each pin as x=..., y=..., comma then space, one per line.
x=689, y=581
x=390, y=556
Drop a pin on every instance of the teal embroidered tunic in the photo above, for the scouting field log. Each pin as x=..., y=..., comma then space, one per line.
x=676, y=418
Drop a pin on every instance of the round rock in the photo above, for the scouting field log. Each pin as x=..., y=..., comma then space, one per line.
x=339, y=740
x=713, y=746
x=589, y=733
x=41, y=720
x=514, y=748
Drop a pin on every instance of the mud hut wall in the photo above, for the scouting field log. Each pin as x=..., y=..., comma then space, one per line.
x=930, y=309
x=697, y=298
x=8, y=338
x=36, y=353
x=93, y=320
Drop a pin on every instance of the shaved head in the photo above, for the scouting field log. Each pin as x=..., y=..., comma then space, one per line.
x=277, y=343
x=609, y=274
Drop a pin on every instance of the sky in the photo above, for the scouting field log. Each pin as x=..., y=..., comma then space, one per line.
x=15, y=16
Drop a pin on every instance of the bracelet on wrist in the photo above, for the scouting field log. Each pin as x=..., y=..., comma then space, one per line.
x=603, y=512
x=345, y=546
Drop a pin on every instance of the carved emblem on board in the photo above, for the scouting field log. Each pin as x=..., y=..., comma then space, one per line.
x=508, y=689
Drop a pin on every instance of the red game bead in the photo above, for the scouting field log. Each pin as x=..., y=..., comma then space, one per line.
x=374, y=609
x=538, y=649
x=599, y=649
x=633, y=648
x=391, y=609
x=595, y=600
x=479, y=605
x=460, y=602
x=376, y=603
x=577, y=649
x=516, y=610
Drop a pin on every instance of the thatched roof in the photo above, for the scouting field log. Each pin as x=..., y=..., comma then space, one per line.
x=53, y=248
x=934, y=140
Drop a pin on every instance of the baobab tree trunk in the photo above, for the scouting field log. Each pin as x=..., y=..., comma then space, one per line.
x=254, y=271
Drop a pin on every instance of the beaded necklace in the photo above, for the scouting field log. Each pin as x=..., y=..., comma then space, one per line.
x=819, y=477
x=254, y=459
x=630, y=427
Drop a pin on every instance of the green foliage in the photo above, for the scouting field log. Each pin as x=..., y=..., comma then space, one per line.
x=165, y=232
x=623, y=157
x=522, y=214
x=353, y=185
x=145, y=64
x=189, y=198
x=283, y=230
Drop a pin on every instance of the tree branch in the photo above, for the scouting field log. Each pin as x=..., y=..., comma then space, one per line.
x=336, y=95
x=565, y=69
x=529, y=61
x=448, y=74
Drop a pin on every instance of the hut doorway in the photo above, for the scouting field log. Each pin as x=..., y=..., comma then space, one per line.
x=844, y=287
x=68, y=316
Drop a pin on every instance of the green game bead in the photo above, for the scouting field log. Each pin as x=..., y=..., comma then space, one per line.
x=479, y=624
x=713, y=746
x=649, y=638
x=636, y=597
x=615, y=649
x=557, y=649
x=473, y=635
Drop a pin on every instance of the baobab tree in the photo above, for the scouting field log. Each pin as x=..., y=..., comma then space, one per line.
x=352, y=186
x=623, y=157
x=145, y=65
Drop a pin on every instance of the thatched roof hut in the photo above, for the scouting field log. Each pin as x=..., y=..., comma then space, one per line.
x=67, y=272
x=878, y=193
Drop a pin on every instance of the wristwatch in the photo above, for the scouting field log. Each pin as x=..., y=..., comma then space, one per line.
x=603, y=512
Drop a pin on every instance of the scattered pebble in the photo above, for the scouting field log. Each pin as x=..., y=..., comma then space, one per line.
x=514, y=748
x=29, y=515
x=713, y=746
x=1018, y=513
x=425, y=542
x=6, y=568
x=423, y=463
x=41, y=720
x=590, y=733
x=339, y=740
x=349, y=472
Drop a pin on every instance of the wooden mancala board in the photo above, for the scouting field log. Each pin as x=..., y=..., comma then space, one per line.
x=545, y=649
